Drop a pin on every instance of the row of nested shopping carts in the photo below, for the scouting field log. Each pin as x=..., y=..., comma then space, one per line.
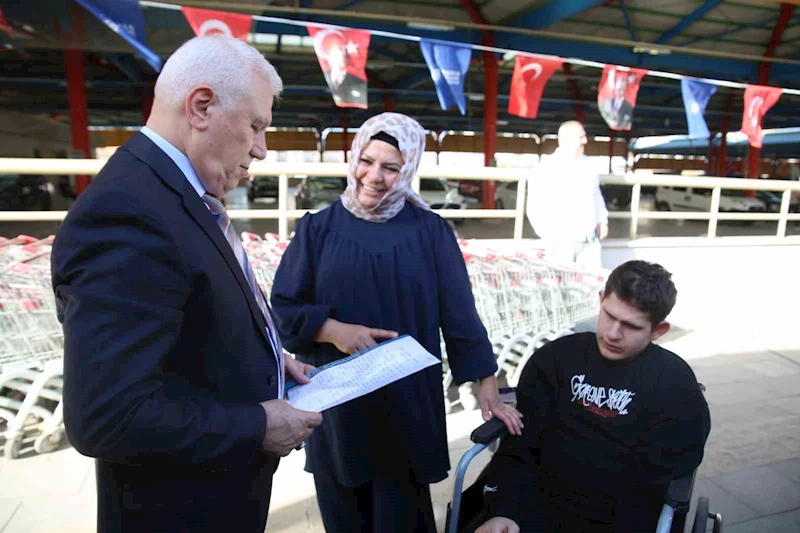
x=31, y=348
x=523, y=300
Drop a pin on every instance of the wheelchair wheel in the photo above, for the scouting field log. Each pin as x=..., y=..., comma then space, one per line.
x=701, y=515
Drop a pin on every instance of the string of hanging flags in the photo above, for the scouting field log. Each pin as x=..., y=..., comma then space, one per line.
x=342, y=55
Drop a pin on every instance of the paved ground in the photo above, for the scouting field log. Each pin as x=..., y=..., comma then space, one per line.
x=751, y=471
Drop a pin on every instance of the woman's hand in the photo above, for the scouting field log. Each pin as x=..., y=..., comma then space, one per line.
x=296, y=370
x=489, y=400
x=351, y=338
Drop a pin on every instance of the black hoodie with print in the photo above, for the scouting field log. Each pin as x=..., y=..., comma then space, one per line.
x=602, y=439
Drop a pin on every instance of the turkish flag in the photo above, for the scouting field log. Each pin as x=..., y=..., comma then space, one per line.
x=616, y=95
x=757, y=101
x=342, y=56
x=527, y=84
x=210, y=22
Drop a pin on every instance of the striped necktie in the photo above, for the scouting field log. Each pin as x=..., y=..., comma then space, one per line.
x=224, y=222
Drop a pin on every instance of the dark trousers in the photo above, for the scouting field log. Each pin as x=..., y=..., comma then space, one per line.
x=384, y=505
x=160, y=501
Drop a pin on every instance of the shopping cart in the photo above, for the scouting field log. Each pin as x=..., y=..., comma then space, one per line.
x=521, y=293
x=31, y=346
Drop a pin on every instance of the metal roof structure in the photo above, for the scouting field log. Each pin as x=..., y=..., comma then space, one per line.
x=722, y=39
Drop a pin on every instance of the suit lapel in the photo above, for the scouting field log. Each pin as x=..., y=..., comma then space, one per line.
x=198, y=210
x=168, y=171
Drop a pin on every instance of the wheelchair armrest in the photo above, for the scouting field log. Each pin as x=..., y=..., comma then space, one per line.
x=679, y=492
x=489, y=431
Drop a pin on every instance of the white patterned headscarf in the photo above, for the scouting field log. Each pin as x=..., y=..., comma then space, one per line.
x=411, y=142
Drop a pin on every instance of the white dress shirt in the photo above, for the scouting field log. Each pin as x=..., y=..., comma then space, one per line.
x=178, y=157
x=564, y=199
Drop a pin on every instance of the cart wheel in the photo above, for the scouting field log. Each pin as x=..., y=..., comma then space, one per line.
x=700, y=515
x=11, y=448
x=47, y=443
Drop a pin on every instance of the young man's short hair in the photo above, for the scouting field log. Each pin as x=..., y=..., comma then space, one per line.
x=646, y=286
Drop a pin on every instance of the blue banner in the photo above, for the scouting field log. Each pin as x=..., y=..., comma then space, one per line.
x=696, y=95
x=448, y=65
x=125, y=18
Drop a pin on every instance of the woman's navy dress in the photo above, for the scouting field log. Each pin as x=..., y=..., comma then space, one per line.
x=406, y=275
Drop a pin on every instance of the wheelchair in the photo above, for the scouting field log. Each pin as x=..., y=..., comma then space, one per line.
x=487, y=436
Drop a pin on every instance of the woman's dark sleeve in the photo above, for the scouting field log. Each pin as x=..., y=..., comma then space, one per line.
x=299, y=317
x=511, y=478
x=469, y=352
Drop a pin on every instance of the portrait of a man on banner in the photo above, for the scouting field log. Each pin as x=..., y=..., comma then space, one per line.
x=342, y=55
x=616, y=96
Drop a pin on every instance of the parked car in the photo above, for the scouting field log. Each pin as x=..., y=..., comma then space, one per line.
x=262, y=187
x=505, y=195
x=319, y=193
x=773, y=202
x=470, y=189
x=25, y=193
x=439, y=194
x=616, y=196
x=689, y=199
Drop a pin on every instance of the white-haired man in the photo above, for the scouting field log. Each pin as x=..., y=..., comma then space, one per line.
x=173, y=369
x=565, y=205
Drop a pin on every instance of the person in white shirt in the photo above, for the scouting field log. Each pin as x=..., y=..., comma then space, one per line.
x=565, y=205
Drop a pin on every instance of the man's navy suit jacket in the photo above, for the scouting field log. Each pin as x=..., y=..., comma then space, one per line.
x=166, y=355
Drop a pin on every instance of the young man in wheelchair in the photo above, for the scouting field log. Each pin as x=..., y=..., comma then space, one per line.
x=610, y=420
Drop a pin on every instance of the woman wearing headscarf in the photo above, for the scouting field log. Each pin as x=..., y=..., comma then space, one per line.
x=377, y=264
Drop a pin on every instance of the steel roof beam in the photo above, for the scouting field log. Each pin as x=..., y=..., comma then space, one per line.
x=690, y=19
x=628, y=23
x=777, y=33
x=725, y=33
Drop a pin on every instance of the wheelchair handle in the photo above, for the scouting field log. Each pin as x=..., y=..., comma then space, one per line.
x=489, y=431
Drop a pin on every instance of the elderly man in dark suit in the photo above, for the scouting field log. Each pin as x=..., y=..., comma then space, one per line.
x=173, y=369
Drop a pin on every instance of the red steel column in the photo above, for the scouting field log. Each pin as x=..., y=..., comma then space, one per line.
x=722, y=153
x=576, y=92
x=489, y=100
x=79, y=116
x=754, y=154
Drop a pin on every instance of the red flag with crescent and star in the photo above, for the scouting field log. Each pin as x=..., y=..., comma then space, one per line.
x=757, y=101
x=527, y=84
x=342, y=55
x=210, y=22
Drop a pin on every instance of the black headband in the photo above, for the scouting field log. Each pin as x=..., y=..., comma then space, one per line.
x=385, y=137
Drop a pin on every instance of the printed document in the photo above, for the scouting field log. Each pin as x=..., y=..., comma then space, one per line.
x=359, y=374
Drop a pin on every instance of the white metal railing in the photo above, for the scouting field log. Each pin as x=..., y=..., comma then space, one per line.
x=713, y=215
x=286, y=170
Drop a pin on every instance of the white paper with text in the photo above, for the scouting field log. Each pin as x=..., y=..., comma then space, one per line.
x=386, y=363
